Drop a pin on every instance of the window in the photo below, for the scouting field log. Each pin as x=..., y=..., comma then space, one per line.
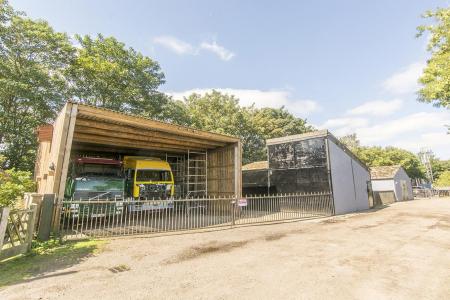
x=153, y=175
x=98, y=169
x=99, y=185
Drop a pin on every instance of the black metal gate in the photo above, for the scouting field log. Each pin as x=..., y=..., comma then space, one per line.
x=107, y=218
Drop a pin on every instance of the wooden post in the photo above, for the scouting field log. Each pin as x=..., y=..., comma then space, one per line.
x=4, y=214
x=45, y=224
x=30, y=226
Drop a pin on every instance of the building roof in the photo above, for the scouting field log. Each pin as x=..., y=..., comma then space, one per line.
x=384, y=172
x=257, y=165
x=298, y=137
x=100, y=127
x=316, y=134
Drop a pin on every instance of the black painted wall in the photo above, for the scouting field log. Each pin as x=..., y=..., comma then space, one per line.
x=299, y=166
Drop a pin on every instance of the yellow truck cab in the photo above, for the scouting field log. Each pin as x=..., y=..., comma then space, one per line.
x=148, y=178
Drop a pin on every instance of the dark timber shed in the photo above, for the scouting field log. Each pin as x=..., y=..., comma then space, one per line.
x=308, y=163
x=86, y=130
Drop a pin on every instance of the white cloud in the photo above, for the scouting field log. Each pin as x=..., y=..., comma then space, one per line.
x=220, y=51
x=412, y=132
x=405, y=81
x=344, y=126
x=407, y=125
x=174, y=44
x=377, y=108
x=181, y=47
x=270, y=98
x=438, y=141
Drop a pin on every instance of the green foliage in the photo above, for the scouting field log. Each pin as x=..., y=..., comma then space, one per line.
x=436, y=76
x=13, y=184
x=443, y=180
x=272, y=123
x=351, y=141
x=45, y=257
x=222, y=113
x=40, y=69
x=439, y=166
x=33, y=58
x=107, y=74
x=379, y=156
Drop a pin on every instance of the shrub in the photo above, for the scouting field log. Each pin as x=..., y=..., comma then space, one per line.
x=13, y=184
x=443, y=180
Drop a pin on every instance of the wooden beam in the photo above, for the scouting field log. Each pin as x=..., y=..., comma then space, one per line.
x=92, y=139
x=146, y=132
x=133, y=138
x=99, y=148
x=140, y=122
x=67, y=150
x=112, y=138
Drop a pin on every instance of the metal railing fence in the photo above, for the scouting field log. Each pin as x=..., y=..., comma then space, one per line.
x=108, y=218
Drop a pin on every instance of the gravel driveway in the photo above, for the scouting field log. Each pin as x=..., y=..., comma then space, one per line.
x=399, y=252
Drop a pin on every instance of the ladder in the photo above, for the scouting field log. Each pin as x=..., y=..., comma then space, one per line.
x=196, y=174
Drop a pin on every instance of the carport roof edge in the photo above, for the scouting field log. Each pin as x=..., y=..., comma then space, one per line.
x=122, y=117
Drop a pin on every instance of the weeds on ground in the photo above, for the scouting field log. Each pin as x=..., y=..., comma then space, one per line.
x=46, y=257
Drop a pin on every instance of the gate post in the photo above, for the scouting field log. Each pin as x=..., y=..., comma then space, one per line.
x=4, y=215
x=31, y=225
x=233, y=211
x=47, y=217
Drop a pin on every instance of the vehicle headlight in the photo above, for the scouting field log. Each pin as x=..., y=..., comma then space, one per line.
x=168, y=187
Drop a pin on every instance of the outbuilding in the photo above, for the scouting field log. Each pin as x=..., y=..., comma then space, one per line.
x=203, y=163
x=390, y=184
x=309, y=163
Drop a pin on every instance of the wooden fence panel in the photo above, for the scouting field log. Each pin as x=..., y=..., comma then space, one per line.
x=16, y=231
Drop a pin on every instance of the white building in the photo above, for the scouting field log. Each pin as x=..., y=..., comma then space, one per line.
x=390, y=184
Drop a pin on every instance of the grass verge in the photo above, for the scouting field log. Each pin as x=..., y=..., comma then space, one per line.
x=46, y=257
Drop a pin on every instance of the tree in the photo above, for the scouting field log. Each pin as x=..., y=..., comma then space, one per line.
x=389, y=156
x=378, y=156
x=435, y=79
x=272, y=123
x=222, y=113
x=33, y=58
x=107, y=74
x=439, y=166
x=443, y=180
x=351, y=141
x=40, y=69
x=13, y=184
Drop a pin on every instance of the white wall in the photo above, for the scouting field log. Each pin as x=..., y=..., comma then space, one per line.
x=382, y=185
x=349, y=180
x=395, y=185
x=361, y=177
x=398, y=178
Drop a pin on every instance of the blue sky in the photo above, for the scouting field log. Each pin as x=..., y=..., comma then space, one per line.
x=348, y=65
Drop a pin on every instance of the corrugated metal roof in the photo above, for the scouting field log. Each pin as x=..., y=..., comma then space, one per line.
x=384, y=172
x=257, y=165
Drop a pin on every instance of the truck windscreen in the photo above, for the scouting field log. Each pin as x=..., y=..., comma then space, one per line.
x=99, y=185
x=98, y=169
x=153, y=175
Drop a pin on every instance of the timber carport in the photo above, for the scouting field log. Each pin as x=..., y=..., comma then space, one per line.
x=211, y=162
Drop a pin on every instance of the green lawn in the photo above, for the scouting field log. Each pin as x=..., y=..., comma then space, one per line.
x=46, y=257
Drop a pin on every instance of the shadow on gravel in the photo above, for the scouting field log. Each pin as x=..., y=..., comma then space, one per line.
x=46, y=258
x=205, y=249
